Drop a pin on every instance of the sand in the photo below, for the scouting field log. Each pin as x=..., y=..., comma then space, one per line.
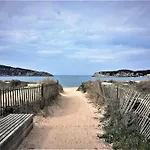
x=71, y=125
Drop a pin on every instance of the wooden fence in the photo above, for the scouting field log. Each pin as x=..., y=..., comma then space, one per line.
x=27, y=99
x=129, y=101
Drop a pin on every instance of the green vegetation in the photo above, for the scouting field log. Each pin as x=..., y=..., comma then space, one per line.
x=123, y=73
x=141, y=86
x=12, y=71
x=13, y=84
x=123, y=134
x=122, y=131
x=33, y=82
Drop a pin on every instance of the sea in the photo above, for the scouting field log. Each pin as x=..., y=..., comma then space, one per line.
x=72, y=80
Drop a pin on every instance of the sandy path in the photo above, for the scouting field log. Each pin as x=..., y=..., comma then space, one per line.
x=72, y=126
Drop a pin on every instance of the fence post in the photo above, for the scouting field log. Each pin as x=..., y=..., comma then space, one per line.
x=57, y=87
x=117, y=93
x=42, y=97
x=1, y=113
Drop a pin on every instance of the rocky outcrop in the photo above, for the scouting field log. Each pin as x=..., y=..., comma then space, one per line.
x=122, y=73
x=11, y=71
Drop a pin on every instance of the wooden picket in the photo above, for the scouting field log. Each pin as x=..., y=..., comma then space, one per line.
x=23, y=100
x=129, y=101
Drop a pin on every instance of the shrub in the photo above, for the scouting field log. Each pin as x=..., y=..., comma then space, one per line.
x=124, y=136
x=13, y=84
x=121, y=130
x=48, y=81
x=52, y=81
x=92, y=92
x=2, y=84
x=143, y=86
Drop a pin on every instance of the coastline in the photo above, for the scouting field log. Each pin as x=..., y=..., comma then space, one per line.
x=74, y=81
x=105, y=76
x=123, y=73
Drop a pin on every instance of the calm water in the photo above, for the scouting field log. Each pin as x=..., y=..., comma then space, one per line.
x=74, y=80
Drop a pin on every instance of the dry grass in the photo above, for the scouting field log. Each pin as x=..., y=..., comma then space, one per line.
x=119, y=130
x=48, y=81
x=92, y=93
x=143, y=86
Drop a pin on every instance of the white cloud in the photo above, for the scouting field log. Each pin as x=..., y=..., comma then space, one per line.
x=49, y=52
x=68, y=23
x=19, y=35
x=57, y=42
x=103, y=55
x=68, y=17
x=62, y=26
x=3, y=48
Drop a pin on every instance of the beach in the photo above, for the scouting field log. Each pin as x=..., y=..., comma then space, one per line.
x=70, y=125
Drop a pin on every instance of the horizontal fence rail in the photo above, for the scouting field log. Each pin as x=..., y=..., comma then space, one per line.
x=129, y=101
x=26, y=99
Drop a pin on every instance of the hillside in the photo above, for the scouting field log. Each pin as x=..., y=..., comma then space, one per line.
x=123, y=73
x=11, y=71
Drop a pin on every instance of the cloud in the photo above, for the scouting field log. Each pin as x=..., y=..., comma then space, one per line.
x=49, y=52
x=57, y=42
x=17, y=36
x=81, y=31
x=56, y=21
x=107, y=55
x=4, y=48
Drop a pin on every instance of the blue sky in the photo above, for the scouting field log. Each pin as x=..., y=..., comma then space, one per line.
x=75, y=37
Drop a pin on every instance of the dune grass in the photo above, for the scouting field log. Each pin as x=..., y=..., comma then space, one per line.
x=119, y=131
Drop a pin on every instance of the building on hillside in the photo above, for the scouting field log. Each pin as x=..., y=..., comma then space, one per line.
x=148, y=75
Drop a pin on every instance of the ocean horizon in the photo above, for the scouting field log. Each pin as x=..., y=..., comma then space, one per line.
x=72, y=80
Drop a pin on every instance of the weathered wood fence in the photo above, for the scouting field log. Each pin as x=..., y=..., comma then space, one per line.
x=27, y=99
x=129, y=101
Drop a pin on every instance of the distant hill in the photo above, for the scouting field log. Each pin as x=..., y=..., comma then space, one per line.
x=123, y=73
x=11, y=71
